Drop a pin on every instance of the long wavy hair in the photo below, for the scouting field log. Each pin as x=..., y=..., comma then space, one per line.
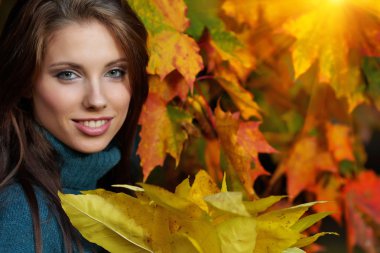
x=25, y=156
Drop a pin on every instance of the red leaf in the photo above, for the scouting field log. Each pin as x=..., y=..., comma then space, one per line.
x=362, y=201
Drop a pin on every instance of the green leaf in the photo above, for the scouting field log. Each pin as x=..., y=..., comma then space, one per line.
x=294, y=121
x=348, y=168
x=202, y=14
x=150, y=15
x=371, y=69
x=205, y=14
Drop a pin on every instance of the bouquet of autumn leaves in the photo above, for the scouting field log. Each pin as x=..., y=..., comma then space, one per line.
x=195, y=218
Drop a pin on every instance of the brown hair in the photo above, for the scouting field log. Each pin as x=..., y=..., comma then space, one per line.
x=22, y=44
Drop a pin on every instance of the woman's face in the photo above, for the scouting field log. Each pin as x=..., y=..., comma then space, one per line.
x=81, y=94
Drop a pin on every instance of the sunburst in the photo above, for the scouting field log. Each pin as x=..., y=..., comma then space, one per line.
x=335, y=34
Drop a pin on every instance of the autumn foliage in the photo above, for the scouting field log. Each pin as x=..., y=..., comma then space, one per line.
x=232, y=82
x=196, y=218
x=291, y=78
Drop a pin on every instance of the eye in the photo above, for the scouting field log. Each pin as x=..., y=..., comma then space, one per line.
x=115, y=73
x=67, y=75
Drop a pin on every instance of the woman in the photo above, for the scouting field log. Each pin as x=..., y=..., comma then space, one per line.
x=72, y=84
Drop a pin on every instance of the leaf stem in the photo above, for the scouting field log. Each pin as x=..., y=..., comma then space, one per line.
x=209, y=112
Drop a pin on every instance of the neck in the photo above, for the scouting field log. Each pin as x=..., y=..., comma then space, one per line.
x=81, y=171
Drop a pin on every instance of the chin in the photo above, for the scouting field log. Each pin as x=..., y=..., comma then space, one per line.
x=88, y=149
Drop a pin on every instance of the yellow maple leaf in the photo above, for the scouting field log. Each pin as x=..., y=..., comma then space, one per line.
x=334, y=33
x=170, y=9
x=202, y=187
x=169, y=47
x=165, y=222
x=172, y=50
x=242, y=98
x=329, y=33
x=239, y=57
x=227, y=125
x=249, y=11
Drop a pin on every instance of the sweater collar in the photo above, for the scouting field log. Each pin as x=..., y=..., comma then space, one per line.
x=81, y=171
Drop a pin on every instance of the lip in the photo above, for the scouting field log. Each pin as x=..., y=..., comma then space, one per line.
x=89, y=119
x=90, y=131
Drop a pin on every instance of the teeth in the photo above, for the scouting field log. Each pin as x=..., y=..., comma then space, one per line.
x=93, y=123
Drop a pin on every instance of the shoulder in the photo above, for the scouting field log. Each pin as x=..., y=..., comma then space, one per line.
x=16, y=226
x=13, y=202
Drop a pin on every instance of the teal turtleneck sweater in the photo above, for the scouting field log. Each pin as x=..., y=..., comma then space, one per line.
x=78, y=172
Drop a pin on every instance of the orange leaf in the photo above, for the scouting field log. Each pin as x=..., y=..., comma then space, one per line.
x=303, y=164
x=362, y=200
x=329, y=190
x=170, y=9
x=212, y=159
x=227, y=126
x=242, y=142
x=254, y=142
x=299, y=166
x=340, y=141
x=173, y=85
x=250, y=137
x=242, y=98
x=162, y=132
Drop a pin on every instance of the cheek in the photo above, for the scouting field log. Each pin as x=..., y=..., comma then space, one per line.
x=51, y=104
x=120, y=98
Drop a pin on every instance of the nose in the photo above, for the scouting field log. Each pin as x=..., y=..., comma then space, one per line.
x=94, y=98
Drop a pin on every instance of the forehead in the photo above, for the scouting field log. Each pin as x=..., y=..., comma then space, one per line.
x=89, y=40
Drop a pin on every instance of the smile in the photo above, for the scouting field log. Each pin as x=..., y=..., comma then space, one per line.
x=93, y=127
x=93, y=123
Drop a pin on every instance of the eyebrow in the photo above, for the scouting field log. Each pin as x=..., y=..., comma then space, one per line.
x=118, y=61
x=78, y=66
